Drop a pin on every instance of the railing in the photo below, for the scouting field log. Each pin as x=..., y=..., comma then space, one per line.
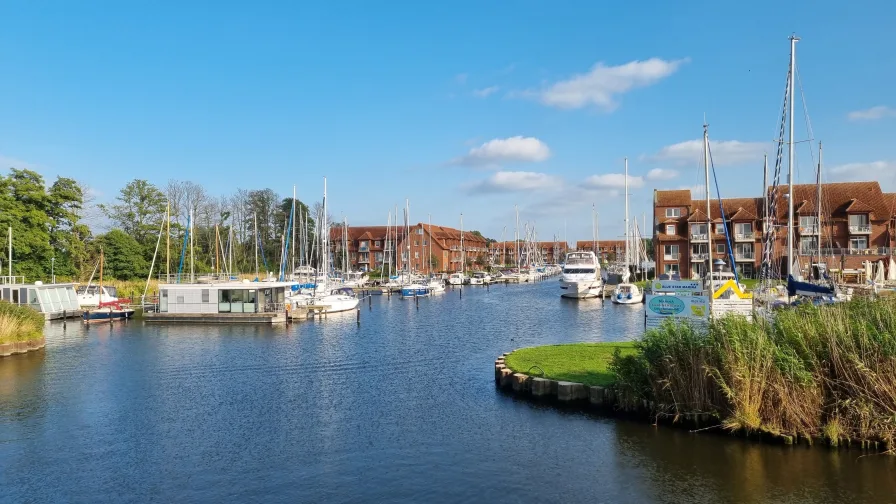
x=364, y=260
x=809, y=230
x=701, y=256
x=863, y=229
x=670, y=257
x=847, y=251
x=744, y=236
x=364, y=248
x=273, y=308
x=698, y=237
x=6, y=280
x=740, y=256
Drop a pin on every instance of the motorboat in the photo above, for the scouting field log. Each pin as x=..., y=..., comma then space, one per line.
x=338, y=300
x=355, y=279
x=480, y=278
x=91, y=296
x=581, y=277
x=628, y=293
x=436, y=285
x=415, y=290
x=457, y=279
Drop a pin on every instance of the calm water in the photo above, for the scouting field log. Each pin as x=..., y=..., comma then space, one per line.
x=402, y=408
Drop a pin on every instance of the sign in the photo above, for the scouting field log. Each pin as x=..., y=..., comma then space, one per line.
x=736, y=293
x=683, y=286
x=693, y=308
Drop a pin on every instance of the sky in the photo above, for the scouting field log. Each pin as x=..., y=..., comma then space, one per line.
x=463, y=107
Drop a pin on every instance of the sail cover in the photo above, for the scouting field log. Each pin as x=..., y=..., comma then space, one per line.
x=891, y=271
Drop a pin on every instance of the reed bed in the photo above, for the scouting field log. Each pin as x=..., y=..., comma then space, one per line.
x=814, y=373
x=19, y=323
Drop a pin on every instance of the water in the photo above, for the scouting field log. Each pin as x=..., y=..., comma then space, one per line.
x=400, y=409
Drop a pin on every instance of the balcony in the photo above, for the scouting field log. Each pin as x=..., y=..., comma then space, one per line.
x=364, y=248
x=670, y=257
x=860, y=229
x=744, y=236
x=741, y=256
x=836, y=252
x=808, y=230
x=699, y=237
x=702, y=256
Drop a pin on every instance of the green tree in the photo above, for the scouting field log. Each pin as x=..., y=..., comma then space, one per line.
x=123, y=255
x=68, y=237
x=24, y=206
x=139, y=212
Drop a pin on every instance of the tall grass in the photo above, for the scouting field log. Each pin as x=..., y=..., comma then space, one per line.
x=818, y=372
x=19, y=323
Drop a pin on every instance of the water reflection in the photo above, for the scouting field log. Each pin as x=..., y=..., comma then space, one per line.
x=401, y=408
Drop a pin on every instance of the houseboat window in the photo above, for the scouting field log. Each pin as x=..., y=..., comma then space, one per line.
x=180, y=300
x=15, y=296
x=32, y=299
x=236, y=301
x=205, y=295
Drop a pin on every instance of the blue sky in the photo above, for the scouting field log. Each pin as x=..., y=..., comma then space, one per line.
x=462, y=106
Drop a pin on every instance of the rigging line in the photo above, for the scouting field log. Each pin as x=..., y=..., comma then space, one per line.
x=808, y=121
x=724, y=223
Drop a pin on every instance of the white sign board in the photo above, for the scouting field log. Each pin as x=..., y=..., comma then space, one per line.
x=692, y=308
x=683, y=286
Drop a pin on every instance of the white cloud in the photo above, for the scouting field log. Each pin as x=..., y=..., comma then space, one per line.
x=494, y=152
x=485, y=92
x=613, y=181
x=661, y=174
x=724, y=152
x=872, y=170
x=697, y=191
x=602, y=85
x=516, y=181
x=10, y=162
x=461, y=78
x=878, y=112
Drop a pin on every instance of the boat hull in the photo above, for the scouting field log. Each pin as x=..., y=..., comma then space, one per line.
x=106, y=315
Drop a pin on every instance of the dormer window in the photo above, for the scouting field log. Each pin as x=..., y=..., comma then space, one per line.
x=670, y=229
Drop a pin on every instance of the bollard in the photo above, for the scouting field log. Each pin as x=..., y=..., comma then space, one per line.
x=359, y=316
x=461, y=293
x=369, y=303
x=417, y=300
x=110, y=315
x=486, y=287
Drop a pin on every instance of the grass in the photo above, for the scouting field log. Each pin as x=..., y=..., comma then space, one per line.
x=19, y=323
x=824, y=372
x=577, y=362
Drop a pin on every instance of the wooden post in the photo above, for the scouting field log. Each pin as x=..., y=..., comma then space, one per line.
x=369, y=302
x=359, y=316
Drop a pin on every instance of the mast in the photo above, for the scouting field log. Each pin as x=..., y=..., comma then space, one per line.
x=765, y=211
x=100, y=291
x=9, y=262
x=593, y=229
x=217, y=245
x=429, y=255
x=407, y=235
x=192, y=274
x=626, y=219
x=709, y=251
x=256, y=244
x=597, y=236
x=325, y=229
x=793, y=40
x=167, y=241
x=292, y=271
x=463, y=259
x=818, y=205
x=516, y=244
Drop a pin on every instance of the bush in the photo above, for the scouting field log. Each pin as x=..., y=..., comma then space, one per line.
x=19, y=323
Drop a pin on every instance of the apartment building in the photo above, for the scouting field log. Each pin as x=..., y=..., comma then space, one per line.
x=607, y=250
x=445, y=248
x=504, y=253
x=856, y=225
x=365, y=246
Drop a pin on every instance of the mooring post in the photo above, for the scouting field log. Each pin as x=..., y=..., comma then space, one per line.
x=359, y=315
x=369, y=303
x=461, y=293
x=110, y=315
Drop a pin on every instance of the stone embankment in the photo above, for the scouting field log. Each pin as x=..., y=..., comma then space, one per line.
x=19, y=347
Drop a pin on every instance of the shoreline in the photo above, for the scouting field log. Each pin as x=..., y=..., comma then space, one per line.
x=607, y=400
x=20, y=347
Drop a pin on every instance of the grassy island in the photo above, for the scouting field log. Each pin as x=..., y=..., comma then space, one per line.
x=19, y=323
x=576, y=362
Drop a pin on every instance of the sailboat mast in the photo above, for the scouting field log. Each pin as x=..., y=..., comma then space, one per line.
x=217, y=244
x=593, y=230
x=596, y=236
x=818, y=204
x=167, y=241
x=626, y=216
x=293, y=263
x=463, y=259
x=765, y=211
x=325, y=238
x=793, y=40
x=516, y=244
x=709, y=252
x=256, y=244
x=429, y=255
x=192, y=271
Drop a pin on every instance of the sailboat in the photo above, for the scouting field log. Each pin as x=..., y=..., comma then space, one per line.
x=626, y=292
x=338, y=299
x=106, y=311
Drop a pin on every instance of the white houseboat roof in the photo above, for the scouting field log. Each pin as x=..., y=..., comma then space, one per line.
x=228, y=285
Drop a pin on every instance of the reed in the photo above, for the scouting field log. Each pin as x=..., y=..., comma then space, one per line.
x=19, y=323
x=815, y=372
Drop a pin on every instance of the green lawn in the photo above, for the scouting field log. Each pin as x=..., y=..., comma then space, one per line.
x=577, y=362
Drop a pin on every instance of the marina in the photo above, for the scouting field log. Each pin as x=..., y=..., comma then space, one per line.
x=392, y=408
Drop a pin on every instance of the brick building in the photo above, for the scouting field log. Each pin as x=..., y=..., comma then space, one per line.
x=504, y=253
x=857, y=221
x=367, y=250
x=608, y=250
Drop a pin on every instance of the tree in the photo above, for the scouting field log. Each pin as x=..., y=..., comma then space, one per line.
x=24, y=206
x=123, y=255
x=139, y=211
x=68, y=236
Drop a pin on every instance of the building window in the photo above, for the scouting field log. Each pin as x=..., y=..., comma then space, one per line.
x=673, y=212
x=425, y=243
x=743, y=230
x=670, y=252
x=670, y=269
x=699, y=251
x=747, y=270
x=720, y=248
x=698, y=231
x=416, y=255
x=859, y=224
x=808, y=224
x=858, y=243
x=720, y=229
x=743, y=251
x=377, y=243
x=808, y=244
x=420, y=231
x=670, y=229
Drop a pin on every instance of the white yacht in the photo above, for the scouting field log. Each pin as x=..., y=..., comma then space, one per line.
x=92, y=295
x=480, y=278
x=338, y=300
x=581, y=276
x=436, y=285
x=457, y=279
x=355, y=279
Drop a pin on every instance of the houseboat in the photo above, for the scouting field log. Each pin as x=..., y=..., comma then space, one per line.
x=54, y=301
x=226, y=302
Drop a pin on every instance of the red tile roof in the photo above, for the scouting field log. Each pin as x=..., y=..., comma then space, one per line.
x=836, y=198
x=681, y=197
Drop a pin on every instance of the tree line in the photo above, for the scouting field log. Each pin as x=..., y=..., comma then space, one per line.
x=50, y=235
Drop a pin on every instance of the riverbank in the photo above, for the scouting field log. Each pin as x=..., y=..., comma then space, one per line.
x=21, y=329
x=814, y=375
